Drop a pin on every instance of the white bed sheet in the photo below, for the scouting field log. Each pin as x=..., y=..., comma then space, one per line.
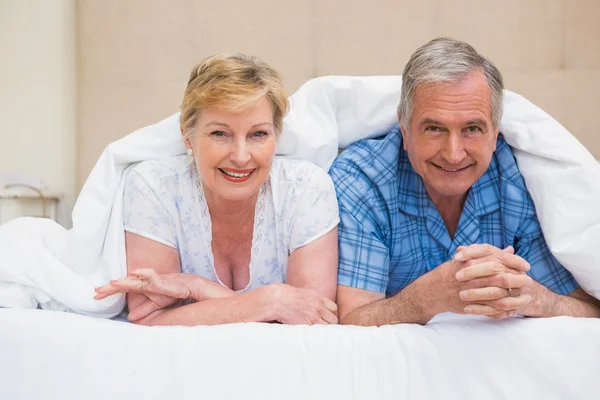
x=54, y=355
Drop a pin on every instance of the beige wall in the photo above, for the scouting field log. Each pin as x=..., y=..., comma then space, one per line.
x=37, y=94
x=134, y=55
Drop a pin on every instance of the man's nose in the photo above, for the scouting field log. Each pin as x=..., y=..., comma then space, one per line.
x=454, y=148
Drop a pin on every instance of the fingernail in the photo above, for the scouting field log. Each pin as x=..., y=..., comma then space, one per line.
x=463, y=295
x=458, y=256
x=468, y=310
x=460, y=275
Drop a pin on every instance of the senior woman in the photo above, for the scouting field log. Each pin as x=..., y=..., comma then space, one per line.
x=227, y=232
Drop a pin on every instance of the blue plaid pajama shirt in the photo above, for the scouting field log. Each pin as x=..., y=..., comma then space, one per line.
x=391, y=233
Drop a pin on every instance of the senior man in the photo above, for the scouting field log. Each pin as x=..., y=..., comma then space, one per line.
x=435, y=215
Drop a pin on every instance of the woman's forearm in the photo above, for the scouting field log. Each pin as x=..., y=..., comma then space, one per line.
x=203, y=289
x=253, y=306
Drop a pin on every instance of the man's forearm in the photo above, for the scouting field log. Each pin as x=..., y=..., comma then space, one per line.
x=411, y=305
x=572, y=307
x=551, y=304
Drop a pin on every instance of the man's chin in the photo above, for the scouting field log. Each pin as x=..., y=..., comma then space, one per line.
x=452, y=191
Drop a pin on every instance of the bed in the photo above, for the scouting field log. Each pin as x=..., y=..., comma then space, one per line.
x=62, y=355
x=57, y=355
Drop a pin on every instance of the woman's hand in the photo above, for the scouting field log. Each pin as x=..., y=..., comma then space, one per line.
x=147, y=281
x=160, y=291
x=296, y=306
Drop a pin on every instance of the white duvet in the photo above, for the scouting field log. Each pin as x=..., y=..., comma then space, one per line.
x=43, y=265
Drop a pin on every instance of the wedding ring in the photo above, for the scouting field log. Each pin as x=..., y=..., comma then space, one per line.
x=143, y=282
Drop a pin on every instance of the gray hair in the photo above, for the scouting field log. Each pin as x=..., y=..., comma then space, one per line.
x=447, y=60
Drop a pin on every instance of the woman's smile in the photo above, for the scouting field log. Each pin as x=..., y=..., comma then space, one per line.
x=236, y=175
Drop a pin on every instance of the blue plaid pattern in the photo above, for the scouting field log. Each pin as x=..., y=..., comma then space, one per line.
x=391, y=233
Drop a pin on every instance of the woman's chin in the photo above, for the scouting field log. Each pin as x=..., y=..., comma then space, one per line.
x=230, y=192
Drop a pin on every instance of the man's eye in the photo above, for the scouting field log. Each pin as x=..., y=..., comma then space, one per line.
x=433, y=129
x=473, y=129
x=218, y=133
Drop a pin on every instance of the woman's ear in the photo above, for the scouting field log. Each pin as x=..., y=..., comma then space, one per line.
x=186, y=142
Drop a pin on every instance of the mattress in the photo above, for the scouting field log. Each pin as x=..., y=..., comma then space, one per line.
x=56, y=355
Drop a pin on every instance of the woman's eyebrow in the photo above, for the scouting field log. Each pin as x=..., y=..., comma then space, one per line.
x=217, y=124
x=262, y=123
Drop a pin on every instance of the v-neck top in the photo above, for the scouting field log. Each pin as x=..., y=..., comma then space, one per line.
x=164, y=201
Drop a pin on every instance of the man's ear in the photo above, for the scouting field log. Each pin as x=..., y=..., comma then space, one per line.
x=403, y=131
x=496, y=138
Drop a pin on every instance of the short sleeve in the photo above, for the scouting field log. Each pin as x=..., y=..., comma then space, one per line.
x=364, y=258
x=316, y=211
x=545, y=268
x=145, y=212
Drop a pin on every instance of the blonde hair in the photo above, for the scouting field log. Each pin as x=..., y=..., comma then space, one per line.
x=235, y=82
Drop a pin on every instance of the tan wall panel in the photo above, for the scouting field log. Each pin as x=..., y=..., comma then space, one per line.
x=581, y=106
x=582, y=33
x=38, y=95
x=111, y=111
x=543, y=88
x=279, y=32
x=518, y=35
x=570, y=96
x=355, y=37
x=134, y=40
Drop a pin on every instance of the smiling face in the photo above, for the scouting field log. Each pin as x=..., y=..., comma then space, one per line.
x=451, y=139
x=234, y=151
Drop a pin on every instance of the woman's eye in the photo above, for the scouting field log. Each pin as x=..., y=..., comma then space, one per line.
x=260, y=134
x=218, y=133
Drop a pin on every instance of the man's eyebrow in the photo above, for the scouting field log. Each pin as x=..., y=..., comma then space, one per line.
x=430, y=121
x=477, y=121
